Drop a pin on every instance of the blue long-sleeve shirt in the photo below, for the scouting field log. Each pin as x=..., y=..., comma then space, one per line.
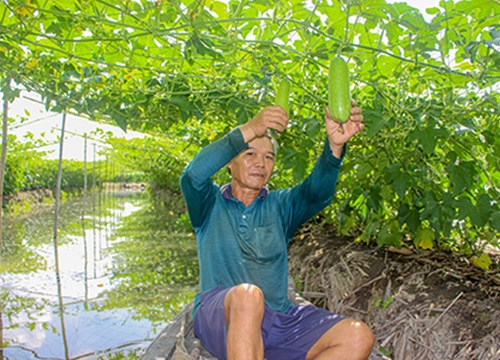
x=239, y=244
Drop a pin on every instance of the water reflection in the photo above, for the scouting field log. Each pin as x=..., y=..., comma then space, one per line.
x=125, y=269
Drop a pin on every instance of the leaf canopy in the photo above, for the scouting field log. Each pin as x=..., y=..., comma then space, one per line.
x=193, y=69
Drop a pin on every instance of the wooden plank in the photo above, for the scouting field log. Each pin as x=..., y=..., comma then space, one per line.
x=164, y=345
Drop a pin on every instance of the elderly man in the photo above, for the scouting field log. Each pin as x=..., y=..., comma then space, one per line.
x=243, y=229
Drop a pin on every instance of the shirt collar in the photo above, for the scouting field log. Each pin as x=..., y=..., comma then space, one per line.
x=227, y=193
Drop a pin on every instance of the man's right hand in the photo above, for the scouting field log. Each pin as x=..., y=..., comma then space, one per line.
x=271, y=117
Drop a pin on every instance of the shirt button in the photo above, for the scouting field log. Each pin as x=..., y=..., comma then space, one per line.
x=244, y=216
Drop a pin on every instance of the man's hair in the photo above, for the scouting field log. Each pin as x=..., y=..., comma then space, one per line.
x=273, y=141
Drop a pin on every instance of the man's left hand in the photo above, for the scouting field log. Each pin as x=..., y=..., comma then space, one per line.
x=340, y=132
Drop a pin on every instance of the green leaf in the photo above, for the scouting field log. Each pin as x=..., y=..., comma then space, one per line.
x=54, y=28
x=462, y=175
x=399, y=180
x=481, y=262
x=465, y=207
x=203, y=46
x=427, y=138
x=374, y=197
x=409, y=216
x=430, y=206
x=495, y=220
x=374, y=121
x=312, y=126
x=392, y=172
x=478, y=214
x=242, y=115
x=300, y=168
x=485, y=208
x=432, y=11
x=389, y=238
x=424, y=238
x=120, y=119
x=220, y=8
x=364, y=170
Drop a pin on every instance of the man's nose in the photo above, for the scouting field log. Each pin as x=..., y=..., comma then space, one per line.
x=259, y=161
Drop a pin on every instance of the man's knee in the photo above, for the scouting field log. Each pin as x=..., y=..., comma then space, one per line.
x=349, y=336
x=360, y=338
x=363, y=334
x=244, y=299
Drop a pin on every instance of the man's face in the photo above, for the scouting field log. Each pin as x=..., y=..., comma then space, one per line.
x=253, y=167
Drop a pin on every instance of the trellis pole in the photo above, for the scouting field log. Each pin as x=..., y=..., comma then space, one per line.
x=85, y=250
x=84, y=176
x=3, y=160
x=55, y=239
x=94, y=200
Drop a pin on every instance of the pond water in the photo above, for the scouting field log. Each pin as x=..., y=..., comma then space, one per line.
x=124, y=265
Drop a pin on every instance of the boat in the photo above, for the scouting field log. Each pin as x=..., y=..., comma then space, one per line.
x=178, y=342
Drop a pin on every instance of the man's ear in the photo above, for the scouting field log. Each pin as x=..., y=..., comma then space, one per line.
x=229, y=168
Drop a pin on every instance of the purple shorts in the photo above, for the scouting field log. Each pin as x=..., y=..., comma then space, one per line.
x=287, y=336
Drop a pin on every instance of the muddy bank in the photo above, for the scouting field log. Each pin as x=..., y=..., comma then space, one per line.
x=421, y=305
x=34, y=196
x=26, y=202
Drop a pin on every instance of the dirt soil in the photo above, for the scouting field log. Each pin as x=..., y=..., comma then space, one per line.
x=25, y=203
x=430, y=304
x=34, y=196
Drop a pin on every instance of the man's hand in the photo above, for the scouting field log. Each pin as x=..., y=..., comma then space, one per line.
x=339, y=133
x=271, y=117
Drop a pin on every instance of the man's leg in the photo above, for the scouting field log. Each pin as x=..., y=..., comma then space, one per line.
x=349, y=339
x=244, y=311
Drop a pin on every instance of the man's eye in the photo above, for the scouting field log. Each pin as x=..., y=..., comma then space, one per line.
x=269, y=157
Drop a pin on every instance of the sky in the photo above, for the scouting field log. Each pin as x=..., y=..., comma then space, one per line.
x=40, y=122
x=31, y=117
